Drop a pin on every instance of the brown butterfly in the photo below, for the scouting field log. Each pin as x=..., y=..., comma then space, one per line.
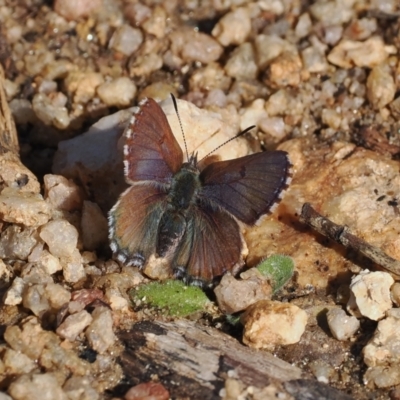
x=184, y=215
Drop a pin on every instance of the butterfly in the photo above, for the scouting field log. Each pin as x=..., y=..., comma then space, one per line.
x=183, y=216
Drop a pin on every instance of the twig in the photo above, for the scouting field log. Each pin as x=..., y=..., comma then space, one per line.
x=340, y=234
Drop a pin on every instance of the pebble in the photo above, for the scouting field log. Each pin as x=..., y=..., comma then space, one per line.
x=253, y=114
x=49, y=263
x=208, y=78
x=100, y=333
x=313, y=60
x=156, y=23
x=268, y=47
x=381, y=87
x=331, y=118
x=72, y=10
x=37, y=387
x=285, y=70
x=80, y=387
x=17, y=242
x=62, y=193
x=233, y=28
x=57, y=295
x=274, y=127
x=342, y=326
x=13, y=295
x=120, y=92
x=126, y=40
x=61, y=237
x=73, y=270
x=303, y=26
x=24, y=208
x=370, y=295
x=94, y=226
x=116, y=300
x=17, y=363
x=147, y=390
x=190, y=45
x=34, y=299
x=395, y=293
x=74, y=324
x=82, y=85
x=145, y=65
x=369, y=53
x=236, y=295
x=270, y=323
x=333, y=12
x=241, y=63
x=382, y=353
x=49, y=112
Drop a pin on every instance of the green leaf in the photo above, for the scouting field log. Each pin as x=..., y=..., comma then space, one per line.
x=278, y=268
x=173, y=296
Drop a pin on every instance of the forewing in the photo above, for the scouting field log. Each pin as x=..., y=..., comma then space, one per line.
x=133, y=223
x=151, y=152
x=212, y=245
x=247, y=187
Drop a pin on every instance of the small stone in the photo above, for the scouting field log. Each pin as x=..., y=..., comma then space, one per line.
x=380, y=86
x=147, y=390
x=342, y=326
x=100, y=333
x=34, y=299
x=233, y=28
x=270, y=323
x=370, y=294
x=13, y=295
x=73, y=270
x=382, y=353
x=253, y=114
x=119, y=93
x=57, y=295
x=208, y=78
x=331, y=118
x=145, y=65
x=395, y=293
x=49, y=112
x=82, y=85
x=322, y=370
x=313, y=60
x=17, y=242
x=73, y=325
x=156, y=24
x=61, y=237
x=303, y=26
x=333, y=12
x=348, y=53
x=73, y=10
x=241, y=64
x=126, y=40
x=273, y=127
x=191, y=45
x=49, y=263
x=269, y=47
x=62, y=193
x=236, y=295
x=285, y=70
x=17, y=363
x=24, y=208
x=36, y=387
x=116, y=300
x=80, y=388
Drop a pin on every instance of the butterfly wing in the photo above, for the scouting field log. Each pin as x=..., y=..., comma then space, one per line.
x=212, y=245
x=247, y=187
x=134, y=222
x=151, y=152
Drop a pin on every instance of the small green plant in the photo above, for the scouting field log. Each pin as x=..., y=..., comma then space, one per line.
x=173, y=296
x=278, y=268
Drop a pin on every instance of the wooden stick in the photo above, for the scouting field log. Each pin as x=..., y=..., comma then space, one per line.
x=340, y=234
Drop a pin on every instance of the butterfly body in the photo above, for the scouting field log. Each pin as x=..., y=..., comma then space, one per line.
x=179, y=218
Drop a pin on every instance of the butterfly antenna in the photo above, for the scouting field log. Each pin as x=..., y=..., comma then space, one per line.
x=229, y=140
x=180, y=123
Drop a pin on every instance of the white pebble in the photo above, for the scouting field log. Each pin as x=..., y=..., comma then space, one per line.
x=126, y=40
x=73, y=325
x=120, y=92
x=342, y=326
x=100, y=333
